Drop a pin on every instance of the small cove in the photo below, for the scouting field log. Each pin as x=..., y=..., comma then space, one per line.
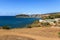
x=14, y=22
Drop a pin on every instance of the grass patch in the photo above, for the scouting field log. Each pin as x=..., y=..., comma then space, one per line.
x=59, y=34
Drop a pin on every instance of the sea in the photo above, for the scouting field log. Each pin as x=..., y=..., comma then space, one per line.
x=14, y=22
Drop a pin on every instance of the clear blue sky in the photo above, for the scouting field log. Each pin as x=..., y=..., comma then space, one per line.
x=13, y=7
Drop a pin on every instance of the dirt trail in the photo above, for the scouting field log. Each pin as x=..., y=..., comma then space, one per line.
x=16, y=32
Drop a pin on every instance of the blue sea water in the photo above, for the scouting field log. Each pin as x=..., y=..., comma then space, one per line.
x=14, y=22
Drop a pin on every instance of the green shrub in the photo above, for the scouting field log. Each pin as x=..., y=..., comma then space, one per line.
x=55, y=22
x=29, y=27
x=5, y=27
x=59, y=34
x=36, y=21
x=51, y=16
x=45, y=24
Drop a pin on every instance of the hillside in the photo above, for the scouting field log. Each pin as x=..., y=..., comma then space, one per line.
x=50, y=15
x=28, y=16
x=47, y=15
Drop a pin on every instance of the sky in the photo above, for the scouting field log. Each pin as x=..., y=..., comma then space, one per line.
x=14, y=7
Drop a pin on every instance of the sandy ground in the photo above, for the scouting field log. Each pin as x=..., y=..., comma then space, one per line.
x=39, y=33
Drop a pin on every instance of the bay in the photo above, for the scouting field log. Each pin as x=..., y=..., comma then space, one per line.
x=14, y=22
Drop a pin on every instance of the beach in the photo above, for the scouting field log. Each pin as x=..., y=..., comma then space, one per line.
x=37, y=33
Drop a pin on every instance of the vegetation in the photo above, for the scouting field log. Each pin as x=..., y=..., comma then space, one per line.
x=22, y=16
x=5, y=27
x=51, y=16
x=45, y=24
x=34, y=24
x=29, y=26
x=59, y=34
x=36, y=21
x=38, y=24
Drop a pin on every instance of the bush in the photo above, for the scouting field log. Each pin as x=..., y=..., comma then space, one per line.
x=45, y=24
x=5, y=27
x=36, y=21
x=59, y=34
x=29, y=27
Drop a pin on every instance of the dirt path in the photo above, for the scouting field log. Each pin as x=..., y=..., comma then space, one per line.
x=30, y=36
x=27, y=34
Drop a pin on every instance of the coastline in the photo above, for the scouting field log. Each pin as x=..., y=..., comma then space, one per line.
x=14, y=22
